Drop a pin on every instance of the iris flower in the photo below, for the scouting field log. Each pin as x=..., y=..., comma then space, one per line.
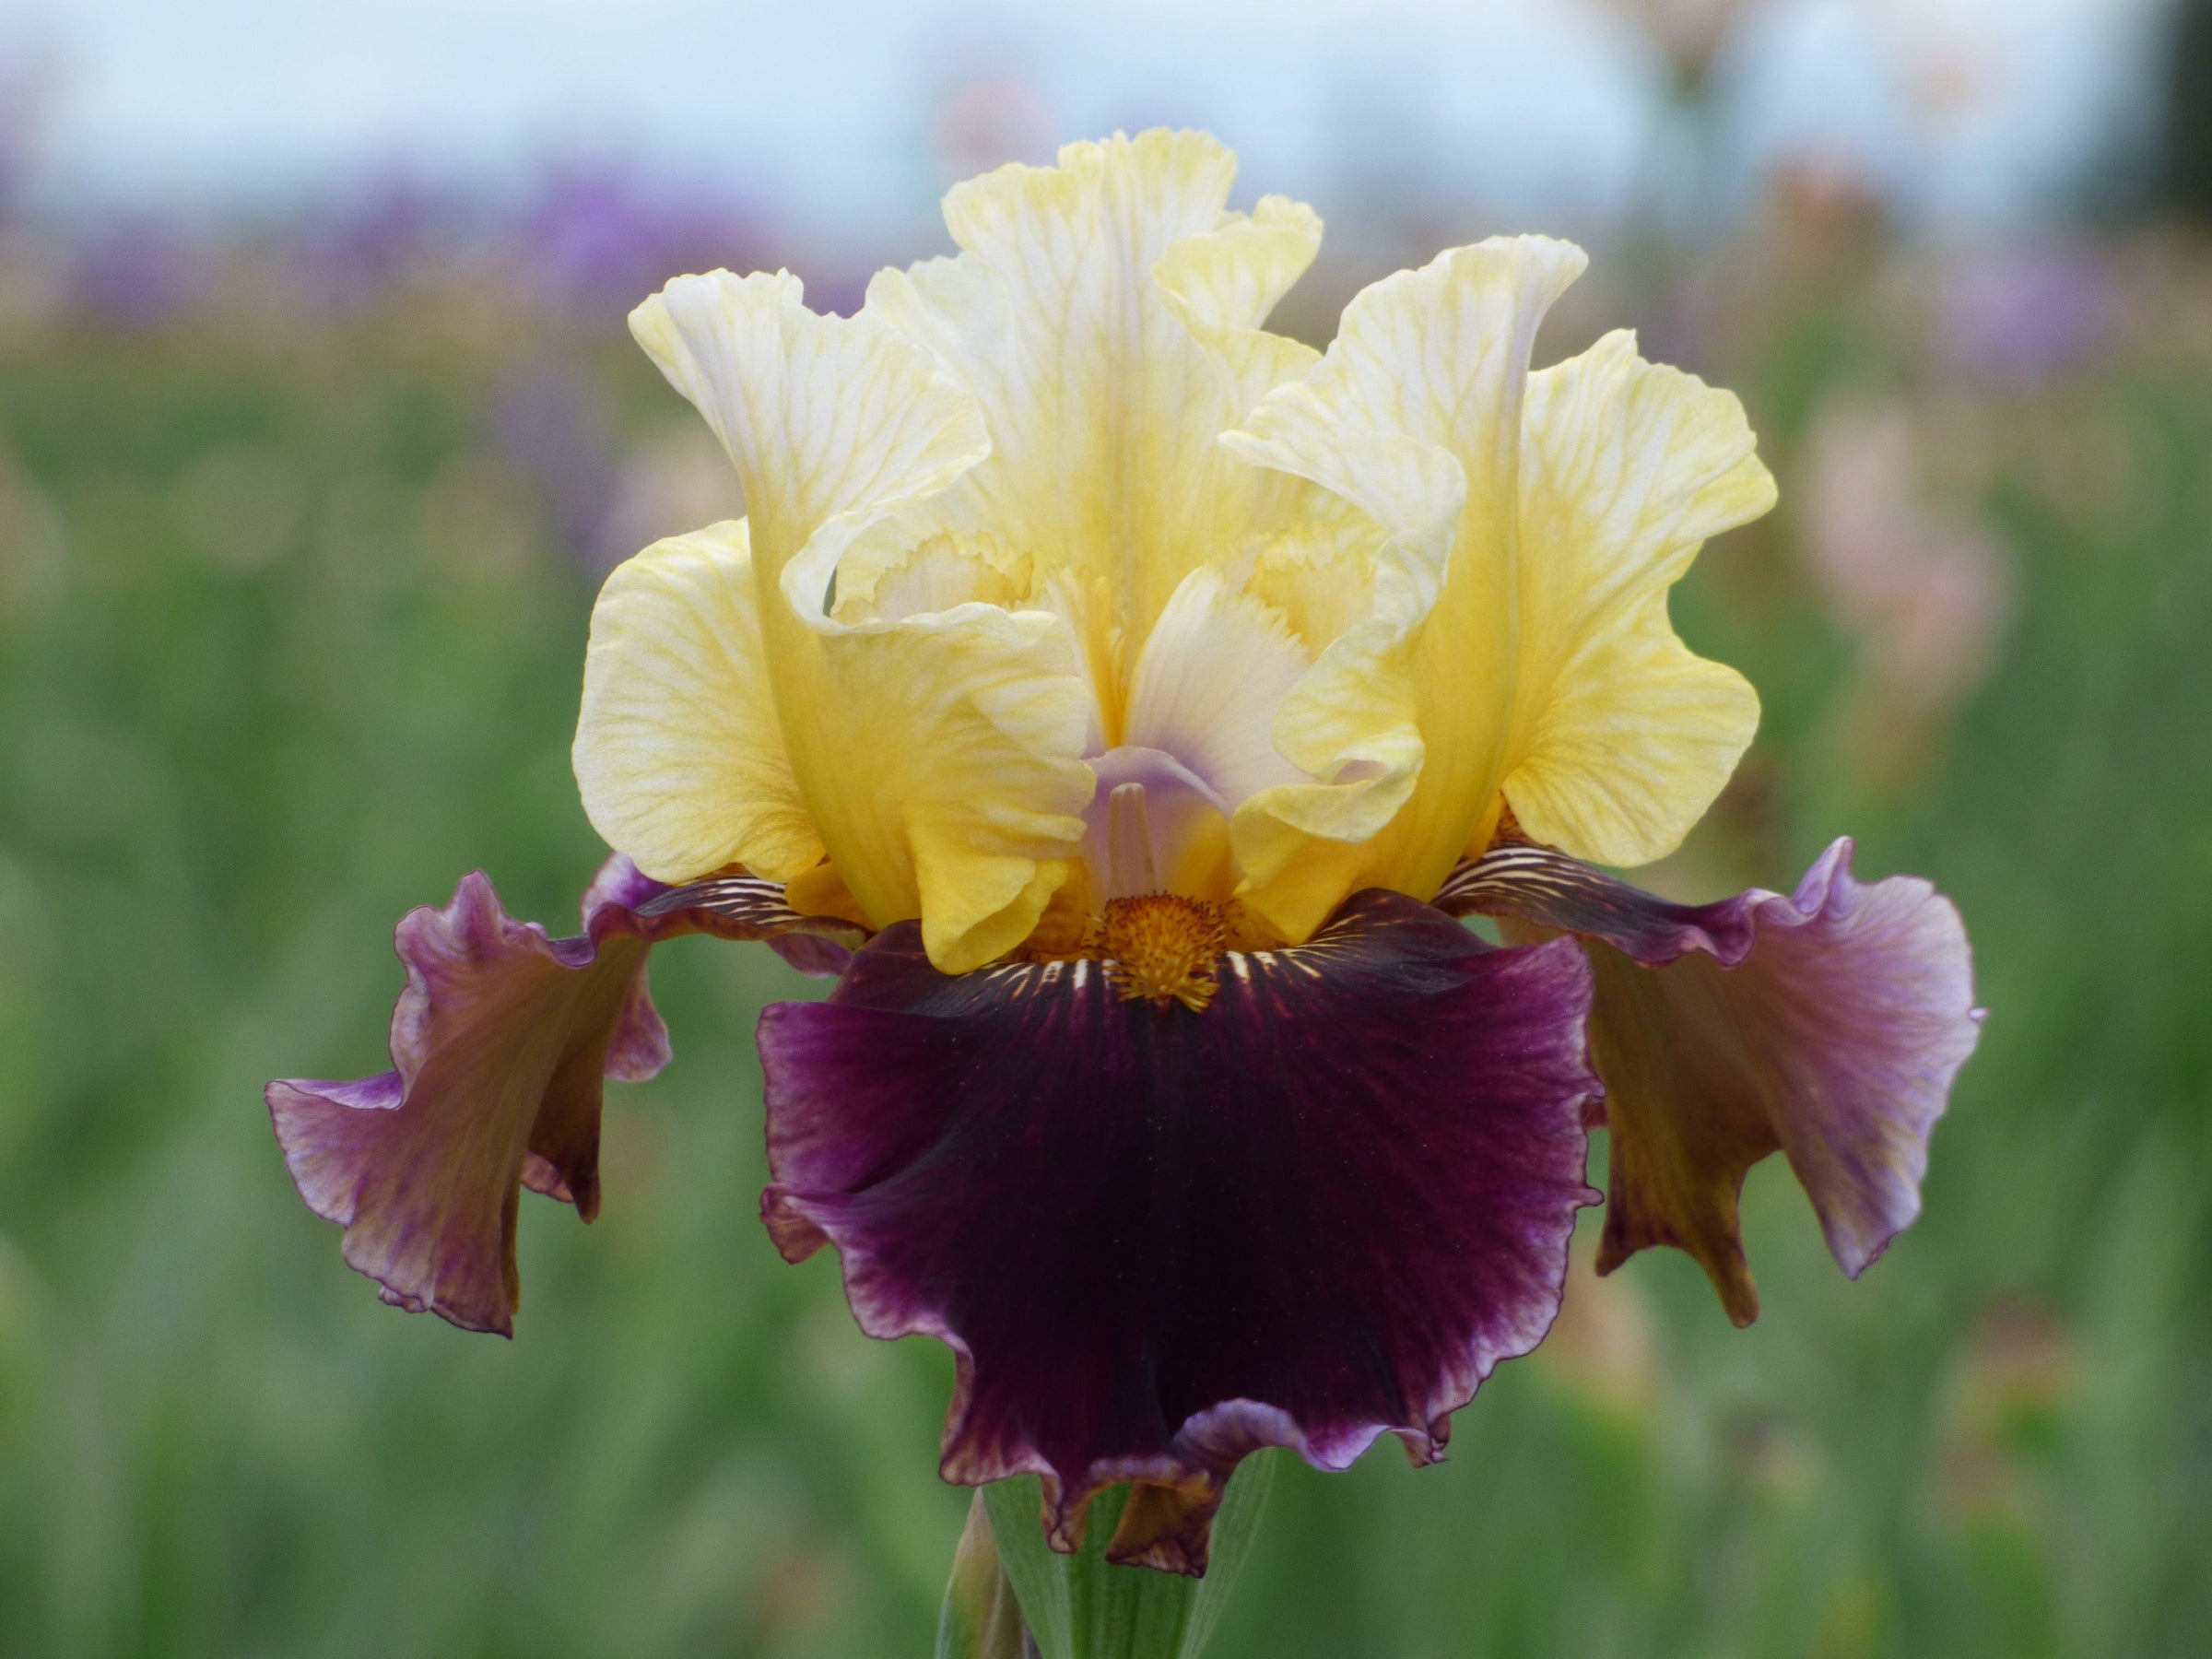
x=1125, y=703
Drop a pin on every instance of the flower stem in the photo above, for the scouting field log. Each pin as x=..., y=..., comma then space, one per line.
x=1080, y=1606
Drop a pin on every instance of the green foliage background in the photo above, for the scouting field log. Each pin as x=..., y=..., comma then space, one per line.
x=226, y=768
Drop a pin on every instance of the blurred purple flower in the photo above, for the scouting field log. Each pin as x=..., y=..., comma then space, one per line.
x=2021, y=314
x=365, y=240
x=137, y=271
x=597, y=237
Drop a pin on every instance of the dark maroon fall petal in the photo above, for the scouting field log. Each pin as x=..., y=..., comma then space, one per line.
x=499, y=1043
x=1827, y=1026
x=1322, y=1209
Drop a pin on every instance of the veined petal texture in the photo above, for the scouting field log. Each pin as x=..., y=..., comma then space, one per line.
x=679, y=754
x=1105, y=313
x=1621, y=738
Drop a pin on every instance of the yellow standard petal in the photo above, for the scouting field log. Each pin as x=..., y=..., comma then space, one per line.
x=678, y=752
x=1413, y=415
x=1105, y=311
x=1623, y=737
x=937, y=754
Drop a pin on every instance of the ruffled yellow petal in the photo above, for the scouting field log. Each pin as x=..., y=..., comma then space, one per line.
x=678, y=753
x=939, y=755
x=1063, y=495
x=1413, y=415
x=1320, y=572
x=832, y=424
x=1221, y=285
x=1106, y=313
x=1623, y=737
x=886, y=578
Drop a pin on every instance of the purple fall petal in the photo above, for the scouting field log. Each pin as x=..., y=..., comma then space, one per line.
x=1828, y=1025
x=818, y=955
x=499, y=1043
x=745, y=907
x=1324, y=1208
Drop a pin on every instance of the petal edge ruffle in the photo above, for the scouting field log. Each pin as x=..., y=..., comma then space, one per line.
x=1623, y=737
x=937, y=757
x=1828, y=1025
x=500, y=1042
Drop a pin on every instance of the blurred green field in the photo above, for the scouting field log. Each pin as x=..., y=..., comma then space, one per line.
x=292, y=625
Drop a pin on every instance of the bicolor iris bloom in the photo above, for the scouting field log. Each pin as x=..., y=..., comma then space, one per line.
x=1124, y=702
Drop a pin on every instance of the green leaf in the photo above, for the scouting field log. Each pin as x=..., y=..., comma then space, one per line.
x=1080, y=1607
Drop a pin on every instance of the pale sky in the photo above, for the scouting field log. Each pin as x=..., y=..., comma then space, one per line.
x=1970, y=109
